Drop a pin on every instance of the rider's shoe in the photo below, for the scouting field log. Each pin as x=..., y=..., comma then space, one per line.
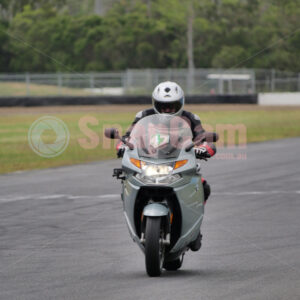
x=196, y=244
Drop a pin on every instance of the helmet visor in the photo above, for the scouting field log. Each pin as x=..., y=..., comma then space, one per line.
x=168, y=107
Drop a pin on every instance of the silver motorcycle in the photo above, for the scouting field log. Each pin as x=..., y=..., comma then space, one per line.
x=162, y=192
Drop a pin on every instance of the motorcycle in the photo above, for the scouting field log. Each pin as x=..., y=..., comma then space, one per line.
x=162, y=192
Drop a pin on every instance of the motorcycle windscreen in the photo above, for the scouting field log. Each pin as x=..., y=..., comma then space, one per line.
x=161, y=136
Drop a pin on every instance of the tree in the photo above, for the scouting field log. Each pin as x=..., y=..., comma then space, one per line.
x=4, y=53
x=230, y=57
x=9, y=8
x=44, y=41
x=62, y=35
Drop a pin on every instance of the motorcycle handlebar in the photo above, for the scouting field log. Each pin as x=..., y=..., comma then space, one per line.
x=209, y=137
x=130, y=146
x=113, y=133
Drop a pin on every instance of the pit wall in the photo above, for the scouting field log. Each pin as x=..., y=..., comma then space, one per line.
x=121, y=100
x=283, y=99
x=263, y=99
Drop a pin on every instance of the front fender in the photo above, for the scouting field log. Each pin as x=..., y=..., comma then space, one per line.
x=155, y=210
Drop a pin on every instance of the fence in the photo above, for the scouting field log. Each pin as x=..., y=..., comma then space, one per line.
x=141, y=82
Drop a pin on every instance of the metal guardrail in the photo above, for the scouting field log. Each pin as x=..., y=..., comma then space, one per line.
x=141, y=82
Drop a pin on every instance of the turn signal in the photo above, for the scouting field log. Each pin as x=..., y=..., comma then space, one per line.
x=136, y=162
x=180, y=163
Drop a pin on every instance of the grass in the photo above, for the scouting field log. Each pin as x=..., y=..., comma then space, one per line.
x=15, y=153
x=20, y=89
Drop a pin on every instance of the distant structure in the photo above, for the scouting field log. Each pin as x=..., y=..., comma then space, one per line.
x=102, y=6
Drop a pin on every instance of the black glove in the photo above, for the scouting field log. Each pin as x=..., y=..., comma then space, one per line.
x=201, y=153
x=120, y=150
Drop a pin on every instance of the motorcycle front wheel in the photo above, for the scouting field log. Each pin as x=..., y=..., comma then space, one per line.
x=154, y=249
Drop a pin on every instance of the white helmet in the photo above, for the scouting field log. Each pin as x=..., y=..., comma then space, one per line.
x=168, y=98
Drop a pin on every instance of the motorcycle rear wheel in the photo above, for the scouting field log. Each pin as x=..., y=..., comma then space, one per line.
x=154, y=249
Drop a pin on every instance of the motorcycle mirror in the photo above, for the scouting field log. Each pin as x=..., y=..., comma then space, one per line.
x=209, y=137
x=112, y=133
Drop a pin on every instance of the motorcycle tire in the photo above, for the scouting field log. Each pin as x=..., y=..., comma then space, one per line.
x=153, y=248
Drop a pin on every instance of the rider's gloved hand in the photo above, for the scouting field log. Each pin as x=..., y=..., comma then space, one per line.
x=120, y=149
x=205, y=150
x=202, y=152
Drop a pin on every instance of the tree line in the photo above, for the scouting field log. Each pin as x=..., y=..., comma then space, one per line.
x=46, y=36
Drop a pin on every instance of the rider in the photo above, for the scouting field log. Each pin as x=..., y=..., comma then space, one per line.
x=168, y=98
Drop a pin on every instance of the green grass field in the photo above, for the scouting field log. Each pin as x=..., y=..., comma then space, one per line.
x=15, y=153
x=20, y=89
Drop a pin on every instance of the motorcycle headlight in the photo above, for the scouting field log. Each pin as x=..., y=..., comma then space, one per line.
x=157, y=174
x=157, y=170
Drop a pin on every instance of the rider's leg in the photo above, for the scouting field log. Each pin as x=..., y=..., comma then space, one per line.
x=206, y=186
x=196, y=245
x=206, y=189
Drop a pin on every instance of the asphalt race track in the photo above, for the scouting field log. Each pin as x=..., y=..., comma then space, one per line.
x=63, y=233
